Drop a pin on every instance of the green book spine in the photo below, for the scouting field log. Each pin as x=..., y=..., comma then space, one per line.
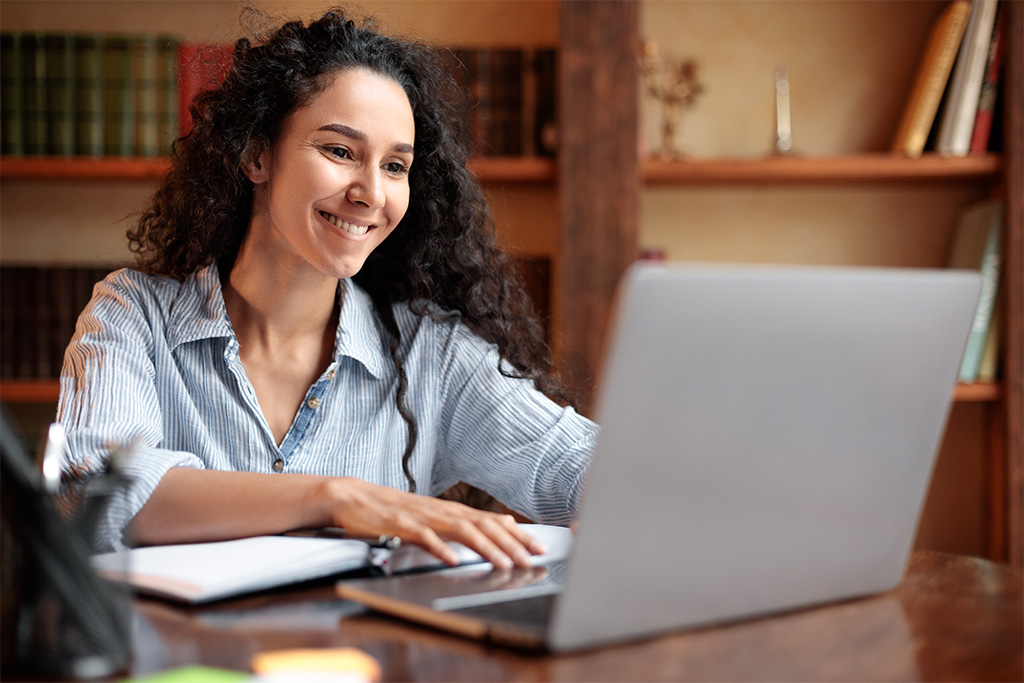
x=118, y=115
x=12, y=129
x=89, y=95
x=168, y=102
x=990, y=271
x=34, y=81
x=60, y=94
x=145, y=58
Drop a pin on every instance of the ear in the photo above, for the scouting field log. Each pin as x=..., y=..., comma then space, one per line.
x=255, y=162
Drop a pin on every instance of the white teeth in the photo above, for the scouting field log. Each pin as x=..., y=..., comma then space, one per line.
x=345, y=225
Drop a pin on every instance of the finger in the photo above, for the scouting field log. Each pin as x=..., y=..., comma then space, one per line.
x=506, y=534
x=524, y=538
x=471, y=535
x=427, y=538
x=534, y=545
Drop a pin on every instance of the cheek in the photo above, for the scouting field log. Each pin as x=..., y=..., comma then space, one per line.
x=399, y=206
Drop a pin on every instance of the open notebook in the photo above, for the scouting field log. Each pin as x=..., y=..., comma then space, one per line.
x=201, y=572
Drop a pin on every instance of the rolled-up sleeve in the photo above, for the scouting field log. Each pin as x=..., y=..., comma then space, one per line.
x=108, y=397
x=509, y=439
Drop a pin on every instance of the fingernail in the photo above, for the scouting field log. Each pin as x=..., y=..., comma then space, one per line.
x=502, y=562
x=522, y=557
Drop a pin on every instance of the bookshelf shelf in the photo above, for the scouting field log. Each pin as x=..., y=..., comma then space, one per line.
x=488, y=169
x=83, y=168
x=30, y=390
x=858, y=168
x=48, y=390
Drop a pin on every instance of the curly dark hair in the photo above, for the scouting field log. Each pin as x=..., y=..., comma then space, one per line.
x=445, y=256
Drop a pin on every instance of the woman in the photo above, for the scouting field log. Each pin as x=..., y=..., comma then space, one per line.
x=320, y=326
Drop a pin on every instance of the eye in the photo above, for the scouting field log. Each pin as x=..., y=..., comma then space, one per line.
x=396, y=168
x=337, y=152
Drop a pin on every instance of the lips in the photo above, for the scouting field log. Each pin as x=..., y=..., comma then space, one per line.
x=350, y=228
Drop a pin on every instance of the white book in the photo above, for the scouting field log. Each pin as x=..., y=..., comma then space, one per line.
x=957, y=123
x=202, y=572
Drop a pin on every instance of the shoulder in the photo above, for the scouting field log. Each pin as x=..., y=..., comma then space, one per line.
x=127, y=287
x=156, y=300
x=443, y=329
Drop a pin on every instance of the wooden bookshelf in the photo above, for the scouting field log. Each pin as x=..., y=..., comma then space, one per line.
x=487, y=169
x=1000, y=442
x=82, y=168
x=29, y=390
x=841, y=170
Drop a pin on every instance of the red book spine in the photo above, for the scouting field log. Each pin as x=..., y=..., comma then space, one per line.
x=201, y=67
x=989, y=91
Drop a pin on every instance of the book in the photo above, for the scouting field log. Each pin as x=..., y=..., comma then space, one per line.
x=545, y=110
x=89, y=95
x=12, y=109
x=145, y=89
x=33, y=63
x=168, y=105
x=39, y=308
x=989, y=89
x=511, y=98
x=203, y=572
x=930, y=81
x=965, y=88
x=201, y=67
x=60, y=93
x=988, y=366
x=976, y=246
x=118, y=112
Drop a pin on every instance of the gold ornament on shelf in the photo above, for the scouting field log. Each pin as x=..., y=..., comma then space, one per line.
x=674, y=84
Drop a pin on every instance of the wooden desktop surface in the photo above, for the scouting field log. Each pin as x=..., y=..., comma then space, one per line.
x=952, y=618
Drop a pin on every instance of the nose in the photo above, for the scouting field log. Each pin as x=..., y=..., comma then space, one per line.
x=367, y=188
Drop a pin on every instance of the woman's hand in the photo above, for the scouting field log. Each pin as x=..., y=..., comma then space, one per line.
x=365, y=509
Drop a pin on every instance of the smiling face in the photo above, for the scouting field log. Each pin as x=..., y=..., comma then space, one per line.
x=335, y=182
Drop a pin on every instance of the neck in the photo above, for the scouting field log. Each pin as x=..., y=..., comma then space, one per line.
x=268, y=304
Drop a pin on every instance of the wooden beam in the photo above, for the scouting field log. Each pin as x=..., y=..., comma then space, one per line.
x=1013, y=270
x=599, y=179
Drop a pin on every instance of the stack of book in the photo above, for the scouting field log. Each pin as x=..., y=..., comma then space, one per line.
x=67, y=94
x=512, y=98
x=38, y=311
x=953, y=101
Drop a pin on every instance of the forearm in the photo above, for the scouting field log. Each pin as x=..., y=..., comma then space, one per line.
x=190, y=505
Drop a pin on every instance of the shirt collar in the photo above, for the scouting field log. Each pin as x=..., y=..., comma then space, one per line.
x=359, y=335
x=198, y=313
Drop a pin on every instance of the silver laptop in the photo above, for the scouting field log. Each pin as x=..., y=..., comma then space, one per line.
x=768, y=436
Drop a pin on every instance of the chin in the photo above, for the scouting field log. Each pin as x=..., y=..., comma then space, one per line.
x=343, y=269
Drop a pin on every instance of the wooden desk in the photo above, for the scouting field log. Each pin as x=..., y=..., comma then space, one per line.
x=952, y=618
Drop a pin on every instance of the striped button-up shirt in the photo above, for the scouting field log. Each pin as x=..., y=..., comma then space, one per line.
x=156, y=360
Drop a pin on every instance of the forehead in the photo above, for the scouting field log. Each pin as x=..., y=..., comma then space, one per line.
x=362, y=99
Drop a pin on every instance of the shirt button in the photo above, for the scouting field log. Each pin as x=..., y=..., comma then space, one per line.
x=313, y=403
x=330, y=374
x=278, y=465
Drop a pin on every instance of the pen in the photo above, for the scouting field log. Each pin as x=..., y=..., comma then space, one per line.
x=382, y=541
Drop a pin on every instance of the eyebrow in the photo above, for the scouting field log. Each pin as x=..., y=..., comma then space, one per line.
x=356, y=134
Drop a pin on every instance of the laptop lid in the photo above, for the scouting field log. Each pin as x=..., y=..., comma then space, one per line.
x=768, y=436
